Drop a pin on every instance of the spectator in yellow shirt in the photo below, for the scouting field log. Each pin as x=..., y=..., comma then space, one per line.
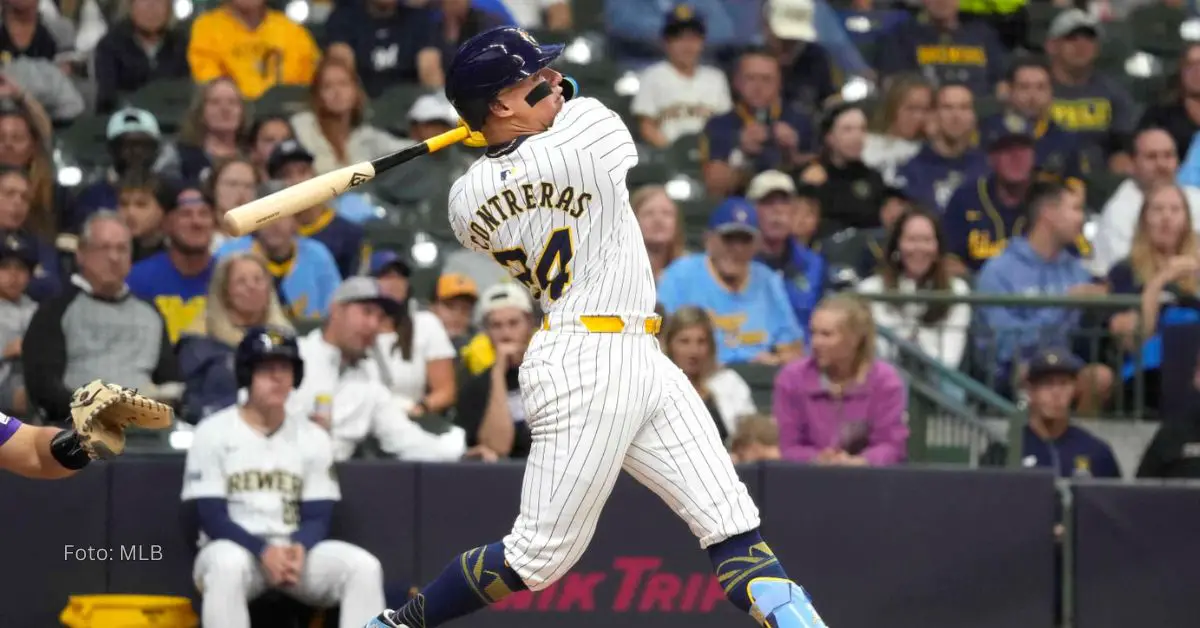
x=255, y=46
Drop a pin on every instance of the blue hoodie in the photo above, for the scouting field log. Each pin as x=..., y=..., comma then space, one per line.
x=1015, y=332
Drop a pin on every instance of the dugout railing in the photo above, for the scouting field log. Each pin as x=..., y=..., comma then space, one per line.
x=1091, y=340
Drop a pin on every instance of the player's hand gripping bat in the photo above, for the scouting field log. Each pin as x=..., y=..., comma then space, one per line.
x=321, y=188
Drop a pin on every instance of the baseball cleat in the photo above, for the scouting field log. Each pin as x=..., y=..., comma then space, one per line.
x=782, y=603
x=384, y=620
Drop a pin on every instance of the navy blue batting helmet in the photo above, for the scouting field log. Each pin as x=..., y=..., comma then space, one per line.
x=489, y=62
x=265, y=343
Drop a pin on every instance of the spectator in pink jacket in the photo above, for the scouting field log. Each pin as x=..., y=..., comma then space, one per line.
x=841, y=405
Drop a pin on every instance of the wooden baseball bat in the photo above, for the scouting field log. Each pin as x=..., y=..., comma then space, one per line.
x=321, y=188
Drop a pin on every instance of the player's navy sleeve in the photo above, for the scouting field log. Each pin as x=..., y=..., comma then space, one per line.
x=315, y=519
x=320, y=489
x=8, y=426
x=216, y=524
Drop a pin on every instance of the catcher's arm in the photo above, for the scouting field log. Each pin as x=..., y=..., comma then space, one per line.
x=44, y=453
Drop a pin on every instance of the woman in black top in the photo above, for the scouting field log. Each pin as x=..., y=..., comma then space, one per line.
x=851, y=192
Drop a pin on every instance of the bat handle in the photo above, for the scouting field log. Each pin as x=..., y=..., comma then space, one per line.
x=431, y=145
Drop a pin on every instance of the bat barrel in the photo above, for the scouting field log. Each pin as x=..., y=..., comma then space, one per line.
x=297, y=198
x=323, y=188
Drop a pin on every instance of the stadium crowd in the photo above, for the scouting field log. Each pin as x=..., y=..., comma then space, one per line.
x=842, y=150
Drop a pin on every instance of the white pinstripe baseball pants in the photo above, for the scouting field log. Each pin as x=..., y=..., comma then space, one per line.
x=601, y=402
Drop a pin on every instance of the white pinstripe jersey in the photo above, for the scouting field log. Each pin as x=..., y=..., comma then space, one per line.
x=554, y=210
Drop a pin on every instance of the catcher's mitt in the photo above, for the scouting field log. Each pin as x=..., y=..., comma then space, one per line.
x=101, y=412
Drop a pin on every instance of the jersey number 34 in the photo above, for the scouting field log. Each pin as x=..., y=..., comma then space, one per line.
x=551, y=271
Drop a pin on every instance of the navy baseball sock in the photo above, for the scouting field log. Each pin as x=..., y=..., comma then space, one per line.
x=472, y=581
x=740, y=559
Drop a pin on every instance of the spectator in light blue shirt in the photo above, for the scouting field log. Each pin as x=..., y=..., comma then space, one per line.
x=747, y=301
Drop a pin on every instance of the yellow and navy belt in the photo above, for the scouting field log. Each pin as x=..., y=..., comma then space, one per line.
x=627, y=324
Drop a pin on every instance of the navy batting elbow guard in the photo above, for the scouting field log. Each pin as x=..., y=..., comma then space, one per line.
x=67, y=450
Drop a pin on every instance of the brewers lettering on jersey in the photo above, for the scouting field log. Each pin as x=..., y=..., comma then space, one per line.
x=550, y=205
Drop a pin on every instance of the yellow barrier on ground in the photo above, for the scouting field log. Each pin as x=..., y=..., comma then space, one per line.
x=128, y=611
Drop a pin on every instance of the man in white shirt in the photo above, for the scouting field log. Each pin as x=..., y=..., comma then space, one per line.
x=340, y=394
x=1155, y=162
x=262, y=481
x=677, y=96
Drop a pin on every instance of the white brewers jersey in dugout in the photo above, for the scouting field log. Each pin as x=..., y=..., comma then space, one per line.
x=263, y=478
x=553, y=209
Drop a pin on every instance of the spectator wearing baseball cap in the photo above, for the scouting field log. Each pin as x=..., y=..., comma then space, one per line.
x=134, y=144
x=808, y=79
x=635, y=29
x=749, y=304
x=413, y=356
x=341, y=395
x=1049, y=440
x=490, y=408
x=176, y=279
x=304, y=271
x=984, y=213
x=430, y=116
x=18, y=258
x=1058, y=154
x=851, y=192
x=454, y=298
x=291, y=163
x=47, y=277
x=1091, y=104
x=679, y=94
x=802, y=269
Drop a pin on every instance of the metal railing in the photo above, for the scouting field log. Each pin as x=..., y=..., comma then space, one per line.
x=994, y=358
x=942, y=427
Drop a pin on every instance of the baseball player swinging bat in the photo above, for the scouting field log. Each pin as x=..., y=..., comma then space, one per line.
x=549, y=202
x=297, y=198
